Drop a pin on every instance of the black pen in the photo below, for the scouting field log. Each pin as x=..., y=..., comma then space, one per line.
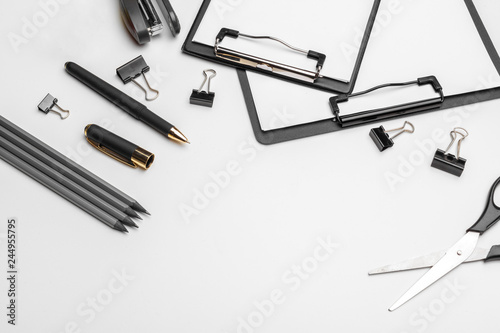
x=125, y=102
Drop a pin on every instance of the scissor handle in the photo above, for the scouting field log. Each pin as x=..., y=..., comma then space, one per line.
x=494, y=253
x=490, y=215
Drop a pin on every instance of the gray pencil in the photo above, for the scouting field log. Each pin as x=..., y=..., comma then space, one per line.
x=72, y=186
x=61, y=190
x=71, y=175
x=72, y=165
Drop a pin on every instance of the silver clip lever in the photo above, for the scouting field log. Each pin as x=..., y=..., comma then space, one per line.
x=457, y=131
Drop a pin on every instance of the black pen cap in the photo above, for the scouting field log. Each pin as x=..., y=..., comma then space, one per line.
x=118, y=148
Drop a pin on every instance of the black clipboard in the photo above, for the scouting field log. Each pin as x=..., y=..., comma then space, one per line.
x=331, y=125
x=328, y=84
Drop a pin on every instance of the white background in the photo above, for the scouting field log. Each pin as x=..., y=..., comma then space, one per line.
x=205, y=273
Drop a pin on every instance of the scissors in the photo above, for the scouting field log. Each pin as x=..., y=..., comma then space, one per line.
x=443, y=262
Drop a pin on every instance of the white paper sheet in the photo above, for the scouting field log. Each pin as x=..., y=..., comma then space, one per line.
x=425, y=37
x=282, y=104
x=303, y=24
x=489, y=10
x=428, y=37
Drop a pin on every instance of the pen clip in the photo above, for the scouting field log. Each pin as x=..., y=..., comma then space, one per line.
x=111, y=154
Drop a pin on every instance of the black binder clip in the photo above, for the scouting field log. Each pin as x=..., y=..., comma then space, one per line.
x=448, y=162
x=132, y=70
x=381, y=138
x=202, y=97
x=48, y=104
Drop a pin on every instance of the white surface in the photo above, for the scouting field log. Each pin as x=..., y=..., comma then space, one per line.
x=204, y=275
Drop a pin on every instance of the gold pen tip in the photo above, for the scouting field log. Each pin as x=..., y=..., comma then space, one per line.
x=177, y=136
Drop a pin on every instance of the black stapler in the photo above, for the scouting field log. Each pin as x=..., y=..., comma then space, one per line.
x=142, y=20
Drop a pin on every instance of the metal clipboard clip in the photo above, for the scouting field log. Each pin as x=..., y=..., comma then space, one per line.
x=257, y=62
x=391, y=111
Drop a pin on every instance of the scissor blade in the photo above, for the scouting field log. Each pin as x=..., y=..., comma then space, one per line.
x=456, y=255
x=413, y=263
x=426, y=261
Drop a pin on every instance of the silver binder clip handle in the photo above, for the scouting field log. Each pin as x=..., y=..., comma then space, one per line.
x=149, y=99
x=457, y=131
x=60, y=112
x=207, y=80
x=402, y=130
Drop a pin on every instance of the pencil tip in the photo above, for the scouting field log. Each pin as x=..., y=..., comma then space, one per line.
x=132, y=213
x=128, y=221
x=137, y=206
x=120, y=227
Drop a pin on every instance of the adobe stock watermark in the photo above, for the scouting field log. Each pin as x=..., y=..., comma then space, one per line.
x=440, y=138
x=407, y=164
x=247, y=152
x=292, y=279
x=31, y=26
x=83, y=149
x=222, y=7
x=88, y=310
x=422, y=319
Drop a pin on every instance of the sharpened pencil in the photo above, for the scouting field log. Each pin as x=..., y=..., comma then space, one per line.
x=71, y=175
x=61, y=190
x=32, y=161
x=72, y=165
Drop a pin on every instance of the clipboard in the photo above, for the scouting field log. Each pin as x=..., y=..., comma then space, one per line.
x=208, y=48
x=331, y=123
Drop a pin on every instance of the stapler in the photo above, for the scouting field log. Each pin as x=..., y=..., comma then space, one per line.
x=142, y=20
